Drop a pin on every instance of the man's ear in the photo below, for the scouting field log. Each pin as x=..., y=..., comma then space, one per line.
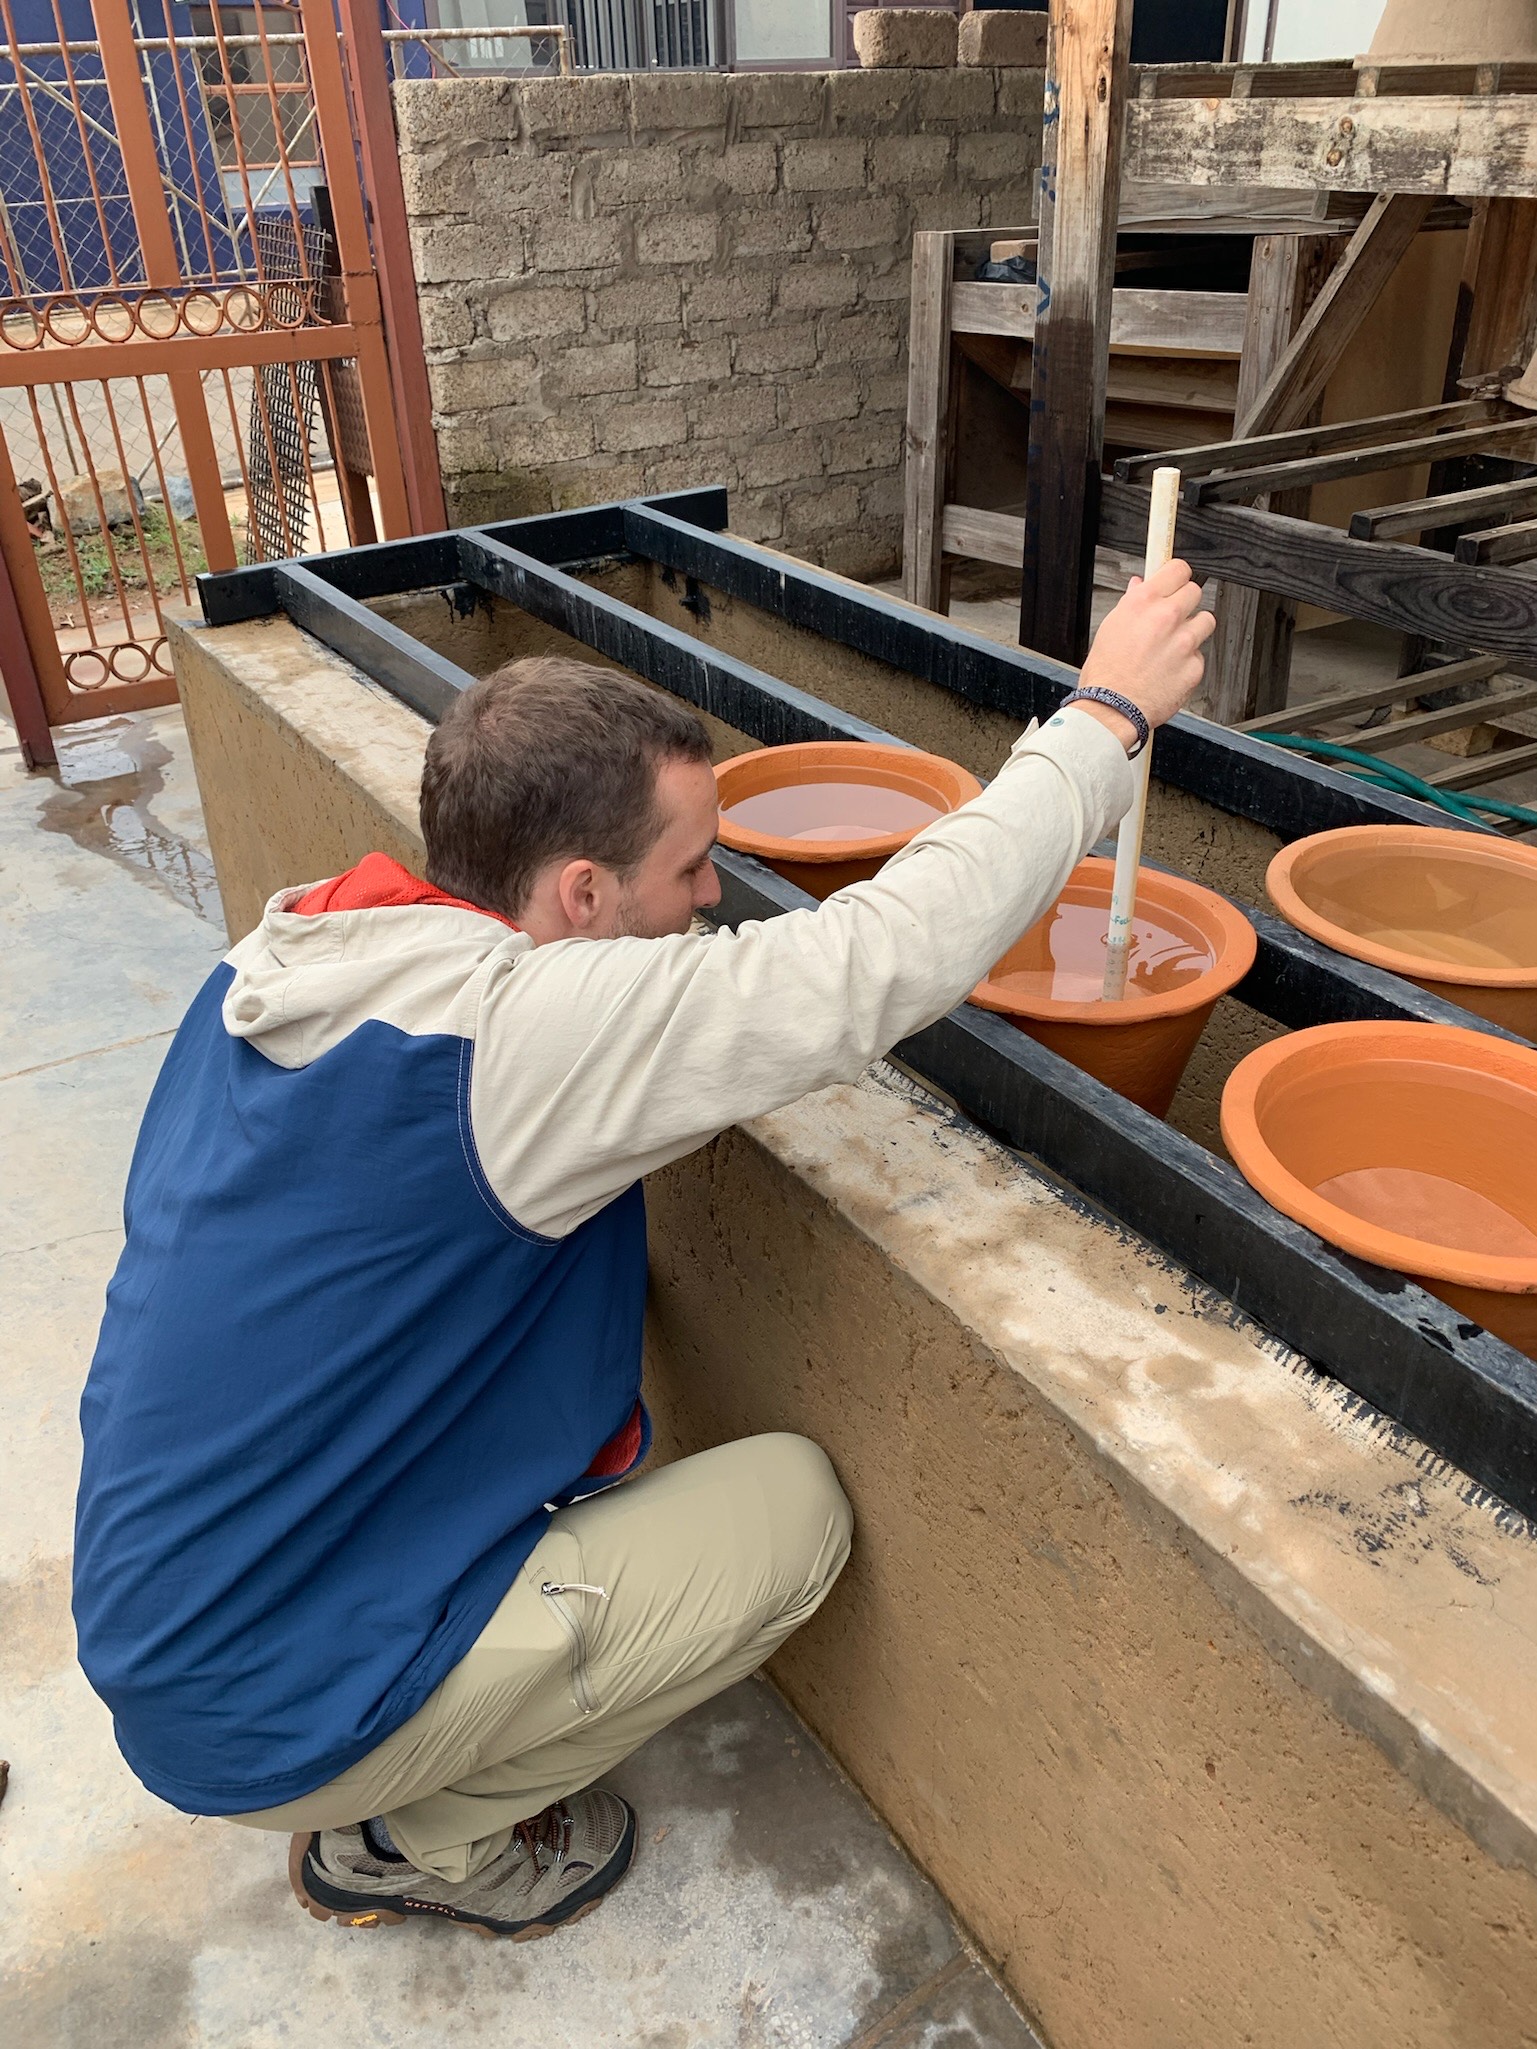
x=577, y=888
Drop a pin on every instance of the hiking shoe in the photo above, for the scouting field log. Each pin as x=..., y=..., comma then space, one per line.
x=557, y=1867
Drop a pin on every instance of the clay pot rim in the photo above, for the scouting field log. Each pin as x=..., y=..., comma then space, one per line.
x=1339, y=1045
x=1297, y=911
x=946, y=778
x=1236, y=950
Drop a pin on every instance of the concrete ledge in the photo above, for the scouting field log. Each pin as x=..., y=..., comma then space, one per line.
x=1205, y=1696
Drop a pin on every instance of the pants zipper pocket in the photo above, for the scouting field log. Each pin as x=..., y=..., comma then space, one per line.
x=555, y=1591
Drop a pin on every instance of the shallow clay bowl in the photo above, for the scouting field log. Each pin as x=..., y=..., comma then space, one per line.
x=1455, y=912
x=1397, y=1102
x=823, y=865
x=1138, y=1045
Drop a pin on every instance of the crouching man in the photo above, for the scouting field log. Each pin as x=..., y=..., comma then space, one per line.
x=352, y=1558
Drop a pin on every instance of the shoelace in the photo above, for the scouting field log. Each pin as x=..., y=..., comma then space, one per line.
x=551, y=1831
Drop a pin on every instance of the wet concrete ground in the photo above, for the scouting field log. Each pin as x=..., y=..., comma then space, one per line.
x=767, y=1908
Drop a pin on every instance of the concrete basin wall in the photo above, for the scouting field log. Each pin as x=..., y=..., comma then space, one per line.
x=1205, y=1695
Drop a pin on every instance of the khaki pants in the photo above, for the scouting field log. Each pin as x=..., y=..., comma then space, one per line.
x=706, y=1566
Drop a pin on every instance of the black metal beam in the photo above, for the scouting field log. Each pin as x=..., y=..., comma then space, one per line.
x=379, y=570
x=1296, y=981
x=405, y=667
x=390, y=568
x=1465, y=1393
x=744, y=697
x=1228, y=770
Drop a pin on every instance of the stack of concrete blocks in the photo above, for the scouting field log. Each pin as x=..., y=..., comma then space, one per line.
x=643, y=283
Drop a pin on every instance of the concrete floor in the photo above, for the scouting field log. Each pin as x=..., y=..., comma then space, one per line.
x=768, y=1908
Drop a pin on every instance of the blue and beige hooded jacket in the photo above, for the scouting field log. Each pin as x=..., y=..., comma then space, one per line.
x=379, y=1305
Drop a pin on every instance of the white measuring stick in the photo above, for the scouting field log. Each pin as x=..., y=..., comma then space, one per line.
x=1162, y=512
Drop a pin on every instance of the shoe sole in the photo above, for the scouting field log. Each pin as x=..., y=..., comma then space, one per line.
x=306, y=1890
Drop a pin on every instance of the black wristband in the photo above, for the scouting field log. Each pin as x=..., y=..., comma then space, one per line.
x=1132, y=713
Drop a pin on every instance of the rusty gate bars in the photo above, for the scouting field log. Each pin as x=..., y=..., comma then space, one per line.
x=1468, y=1395
x=120, y=66
x=374, y=114
x=172, y=279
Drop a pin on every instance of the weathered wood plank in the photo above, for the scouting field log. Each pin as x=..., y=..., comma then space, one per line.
x=1423, y=725
x=983, y=536
x=1498, y=437
x=1405, y=589
x=1214, y=81
x=1322, y=711
x=1515, y=543
x=1311, y=79
x=1085, y=106
x=1331, y=322
x=928, y=406
x=1453, y=508
x=1467, y=145
x=1487, y=768
x=1255, y=451
x=1184, y=323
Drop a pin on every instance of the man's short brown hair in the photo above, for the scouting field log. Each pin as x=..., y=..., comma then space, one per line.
x=547, y=759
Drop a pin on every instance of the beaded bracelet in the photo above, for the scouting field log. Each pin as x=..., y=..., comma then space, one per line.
x=1129, y=711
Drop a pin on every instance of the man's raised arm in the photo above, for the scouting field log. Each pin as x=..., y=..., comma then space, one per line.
x=599, y=1061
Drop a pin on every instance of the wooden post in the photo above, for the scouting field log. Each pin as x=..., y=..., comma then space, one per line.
x=1085, y=108
x=928, y=406
x=1250, y=657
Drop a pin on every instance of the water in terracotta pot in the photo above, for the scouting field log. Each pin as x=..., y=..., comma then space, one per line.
x=1454, y=912
x=831, y=811
x=1410, y=1145
x=1189, y=947
x=825, y=813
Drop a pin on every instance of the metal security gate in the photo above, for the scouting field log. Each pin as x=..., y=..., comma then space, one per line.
x=193, y=370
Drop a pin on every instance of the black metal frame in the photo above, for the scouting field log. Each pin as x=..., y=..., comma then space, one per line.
x=1468, y=1395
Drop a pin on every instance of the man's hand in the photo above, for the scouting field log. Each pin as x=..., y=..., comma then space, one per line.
x=1149, y=648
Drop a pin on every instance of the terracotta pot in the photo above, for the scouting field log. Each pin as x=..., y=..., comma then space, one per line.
x=1455, y=912
x=1138, y=1045
x=848, y=843
x=1411, y=1145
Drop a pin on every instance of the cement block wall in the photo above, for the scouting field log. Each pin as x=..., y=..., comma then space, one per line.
x=1204, y=1694
x=642, y=283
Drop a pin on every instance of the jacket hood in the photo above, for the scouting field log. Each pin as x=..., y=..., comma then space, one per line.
x=305, y=979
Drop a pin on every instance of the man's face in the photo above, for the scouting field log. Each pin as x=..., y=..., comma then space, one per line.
x=677, y=877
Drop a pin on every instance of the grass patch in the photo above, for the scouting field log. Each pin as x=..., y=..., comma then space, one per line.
x=153, y=566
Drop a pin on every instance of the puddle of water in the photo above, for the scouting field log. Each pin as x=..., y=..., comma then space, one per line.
x=109, y=776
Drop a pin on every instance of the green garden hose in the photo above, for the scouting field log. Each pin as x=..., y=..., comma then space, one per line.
x=1372, y=768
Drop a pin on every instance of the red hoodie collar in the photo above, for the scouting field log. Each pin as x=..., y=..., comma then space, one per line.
x=379, y=883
